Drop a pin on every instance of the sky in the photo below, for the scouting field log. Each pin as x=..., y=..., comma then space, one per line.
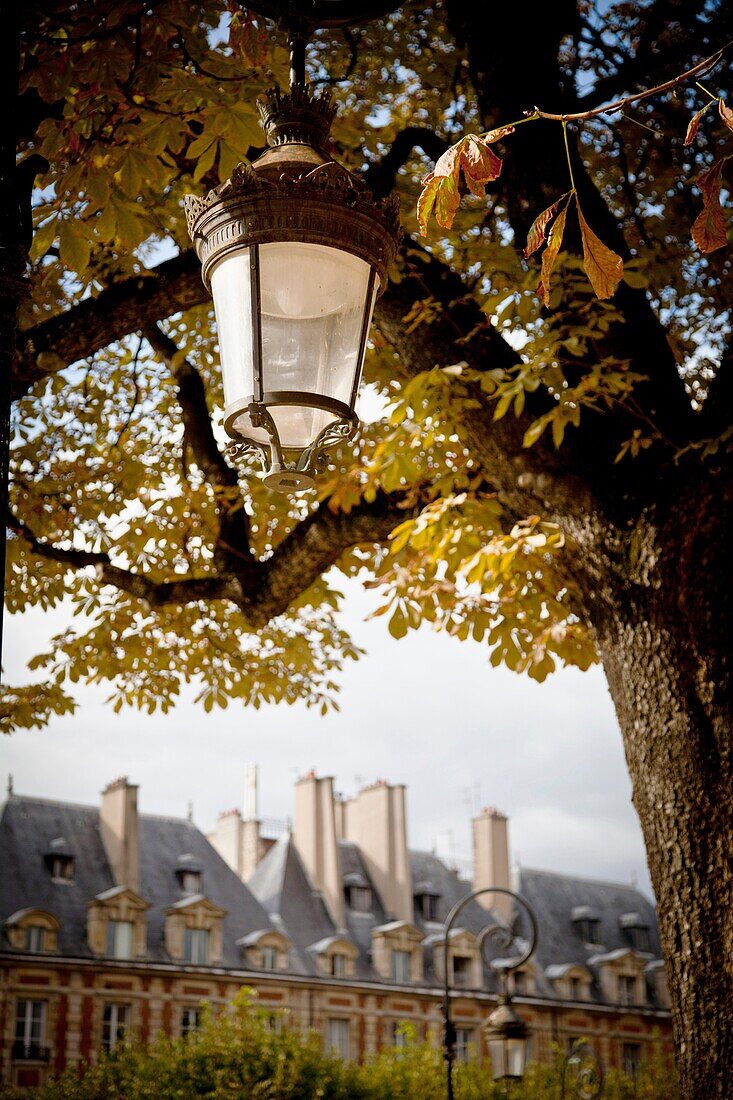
x=427, y=711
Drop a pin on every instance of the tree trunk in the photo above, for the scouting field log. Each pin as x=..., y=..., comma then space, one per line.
x=663, y=629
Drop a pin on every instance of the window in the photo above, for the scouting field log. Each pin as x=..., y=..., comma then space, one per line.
x=631, y=1057
x=190, y=882
x=115, y=1023
x=399, y=1034
x=338, y=965
x=575, y=989
x=400, y=966
x=119, y=939
x=30, y=1026
x=196, y=945
x=337, y=1036
x=427, y=906
x=190, y=1021
x=639, y=938
x=34, y=937
x=62, y=867
x=360, y=899
x=461, y=971
x=464, y=1043
x=520, y=982
x=589, y=930
x=626, y=989
x=268, y=958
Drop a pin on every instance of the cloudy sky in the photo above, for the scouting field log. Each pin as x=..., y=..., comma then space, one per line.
x=427, y=711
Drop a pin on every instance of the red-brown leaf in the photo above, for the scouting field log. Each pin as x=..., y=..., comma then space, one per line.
x=726, y=114
x=550, y=255
x=603, y=266
x=479, y=163
x=426, y=202
x=538, y=230
x=695, y=123
x=708, y=230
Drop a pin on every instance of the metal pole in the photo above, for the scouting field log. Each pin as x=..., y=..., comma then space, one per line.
x=449, y=1038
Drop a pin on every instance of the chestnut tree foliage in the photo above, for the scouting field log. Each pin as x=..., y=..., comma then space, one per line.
x=550, y=471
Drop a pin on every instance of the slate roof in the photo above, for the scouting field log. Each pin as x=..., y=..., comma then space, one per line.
x=555, y=897
x=281, y=886
x=27, y=825
x=279, y=895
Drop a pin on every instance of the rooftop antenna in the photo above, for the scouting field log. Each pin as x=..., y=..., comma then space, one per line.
x=249, y=810
x=10, y=785
x=190, y=812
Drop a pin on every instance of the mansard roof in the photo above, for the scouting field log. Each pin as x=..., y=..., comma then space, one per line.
x=27, y=825
x=558, y=899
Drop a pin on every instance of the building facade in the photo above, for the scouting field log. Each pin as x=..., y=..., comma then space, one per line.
x=116, y=924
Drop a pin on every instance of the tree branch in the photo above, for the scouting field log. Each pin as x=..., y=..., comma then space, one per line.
x=380, y=176
x=124, y=307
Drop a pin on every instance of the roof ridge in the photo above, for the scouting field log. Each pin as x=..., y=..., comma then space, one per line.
x=50, y=802
x=584, y=878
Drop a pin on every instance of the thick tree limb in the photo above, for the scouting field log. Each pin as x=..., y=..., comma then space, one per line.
x=95, y=323
x=269, y=587
x=381, y=175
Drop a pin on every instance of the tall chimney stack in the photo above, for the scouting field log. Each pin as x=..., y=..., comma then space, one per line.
x=491, y=860
x=118, y=822
x=314, y=835
x=375, y=821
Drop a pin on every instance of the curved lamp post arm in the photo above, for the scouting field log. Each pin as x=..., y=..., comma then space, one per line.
x=449, y=1035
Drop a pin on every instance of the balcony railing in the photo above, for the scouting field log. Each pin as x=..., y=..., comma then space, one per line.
x=30, y=1052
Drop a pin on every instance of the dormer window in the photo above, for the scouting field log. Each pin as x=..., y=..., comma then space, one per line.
x=120, y=935
x=189, y=874
x=358, y=893
x=587, y=923
x=338, y=964
x=34, y=937
x=33, y=930
x=59, y=860
x=636, y=931
x=427, y=900
x=196, y=945
x=268, y=957
x=462, y=968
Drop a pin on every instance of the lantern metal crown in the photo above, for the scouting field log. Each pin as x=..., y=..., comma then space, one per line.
x=295, y=250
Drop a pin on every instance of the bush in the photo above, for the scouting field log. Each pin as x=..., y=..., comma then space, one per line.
x=239, y=1055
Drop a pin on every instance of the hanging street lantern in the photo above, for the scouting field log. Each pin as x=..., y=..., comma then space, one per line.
x=507, y=1038
x=295, y=250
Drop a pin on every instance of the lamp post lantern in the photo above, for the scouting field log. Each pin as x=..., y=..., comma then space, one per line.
x=506, y=1032
x=295, y=250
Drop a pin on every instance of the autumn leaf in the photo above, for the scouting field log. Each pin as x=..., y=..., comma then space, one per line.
x=695, y=123
x=708, y=230
x=471, y=158
x=603, y=266
x=550, y=255
x=725, y=113
x=537, y=233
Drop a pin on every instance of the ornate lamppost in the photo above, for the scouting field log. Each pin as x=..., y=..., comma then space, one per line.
x=295, y=250
x=506, y=1032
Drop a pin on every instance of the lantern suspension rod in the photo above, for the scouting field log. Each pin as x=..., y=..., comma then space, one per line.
x=297, y=42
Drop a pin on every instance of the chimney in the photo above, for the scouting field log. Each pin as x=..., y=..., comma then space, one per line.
x=314, y=834
x=118, y=824
x=226, y=838
x=375, y=821
x=491, y=860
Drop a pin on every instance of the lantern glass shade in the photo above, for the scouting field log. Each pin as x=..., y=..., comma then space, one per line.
x=508, y=1057
x=292, y=319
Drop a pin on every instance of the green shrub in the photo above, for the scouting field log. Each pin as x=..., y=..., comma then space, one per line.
x=239, y=1055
